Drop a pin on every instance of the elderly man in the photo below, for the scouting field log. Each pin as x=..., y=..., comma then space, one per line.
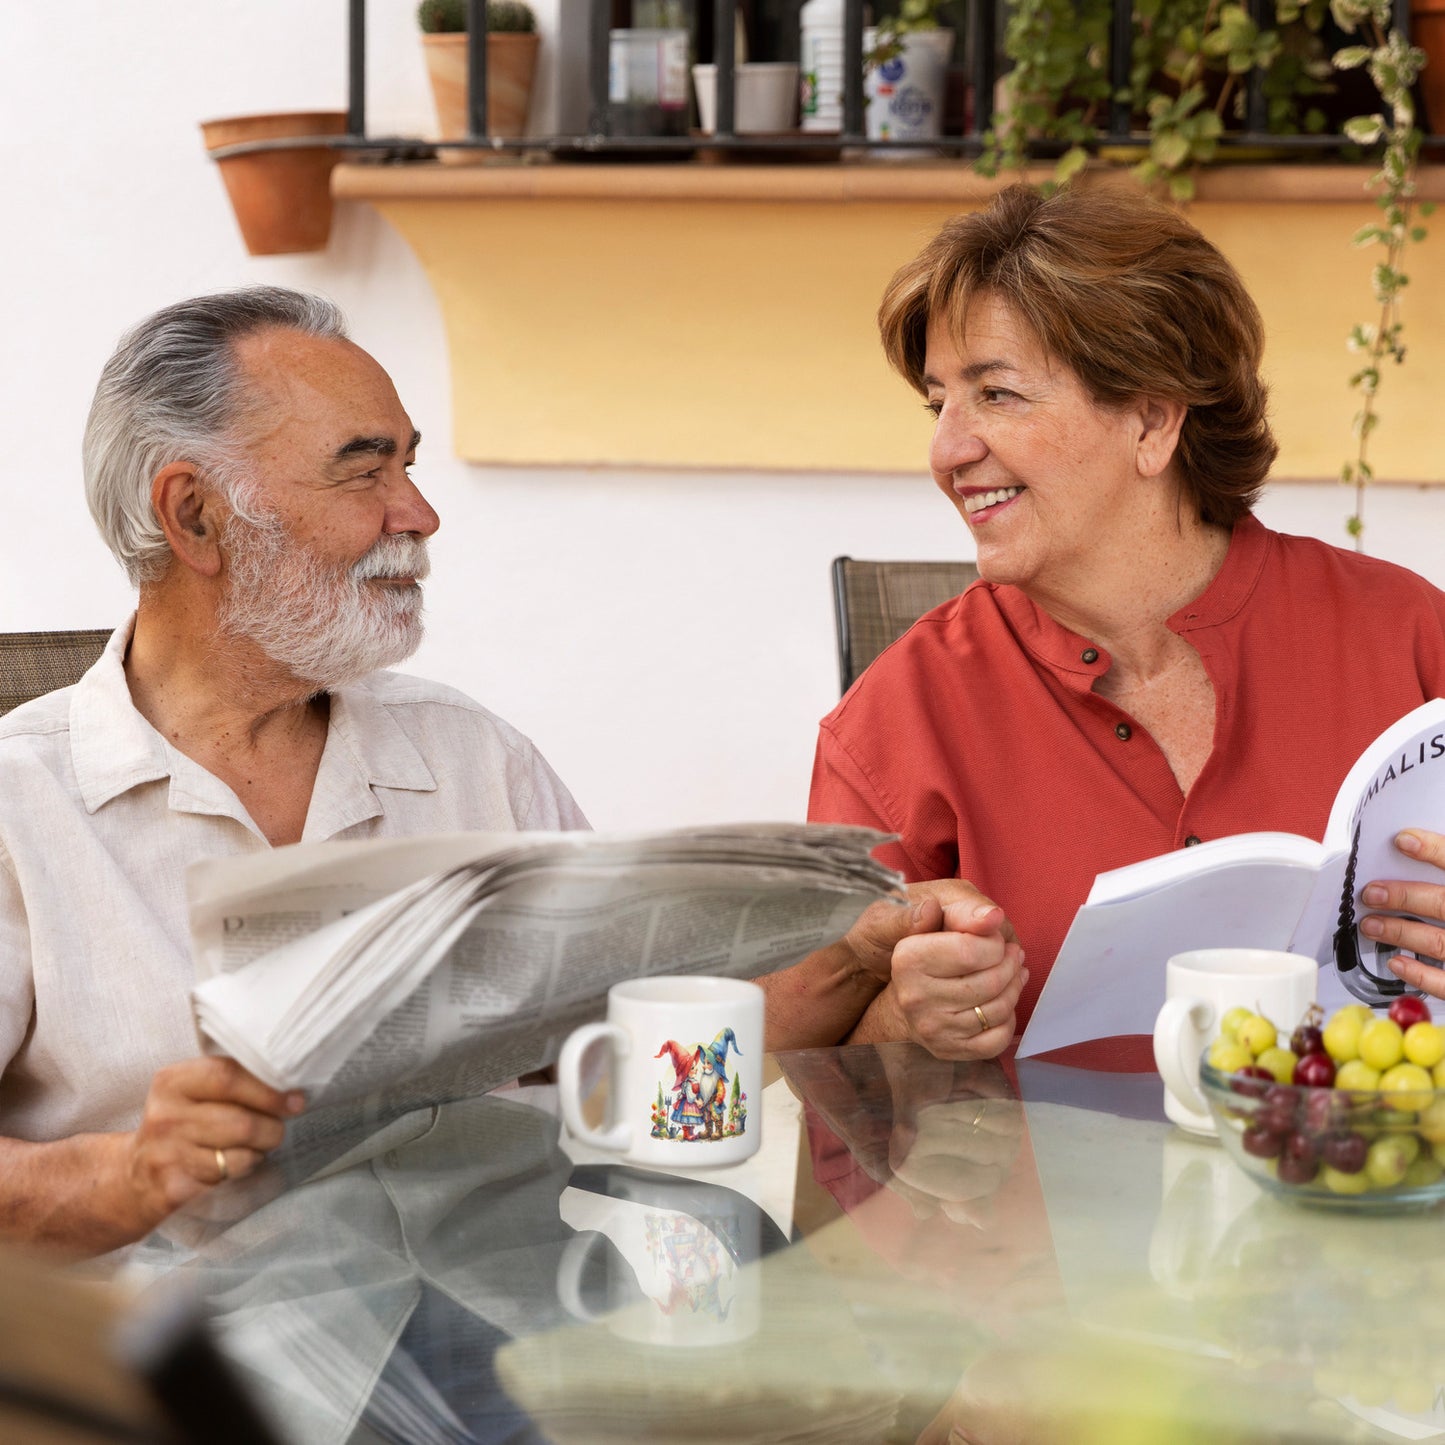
x=250, y=467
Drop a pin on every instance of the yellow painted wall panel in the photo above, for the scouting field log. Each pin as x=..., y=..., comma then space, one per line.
x=739, y=333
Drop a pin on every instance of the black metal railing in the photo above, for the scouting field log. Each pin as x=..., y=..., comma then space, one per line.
x=981, y=48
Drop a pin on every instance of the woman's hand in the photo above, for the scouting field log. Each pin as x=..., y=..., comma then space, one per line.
x=953, y=987
x=1425, y=933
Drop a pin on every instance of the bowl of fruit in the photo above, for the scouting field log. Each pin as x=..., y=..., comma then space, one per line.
x=1346, y=1111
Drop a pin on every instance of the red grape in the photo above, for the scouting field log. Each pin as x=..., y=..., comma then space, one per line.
x=1251, y=1081
x=1315, y=1070
x=1324, y=1110
x=1407, y=1010
x=1292, y=1170
x=1308, y=1038
x=1345, y=1152
x=1263, y=1143
x=1277, y=1109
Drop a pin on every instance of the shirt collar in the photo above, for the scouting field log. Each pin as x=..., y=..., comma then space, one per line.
x=1066, y=652
x=114, y=749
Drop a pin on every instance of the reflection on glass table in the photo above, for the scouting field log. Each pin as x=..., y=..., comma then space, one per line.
x=919, y=1252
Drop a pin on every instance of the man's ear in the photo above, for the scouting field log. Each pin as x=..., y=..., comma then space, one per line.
x=1160, y=422
x=186, y=510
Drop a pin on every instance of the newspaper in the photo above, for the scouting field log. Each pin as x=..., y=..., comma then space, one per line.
x=440, y=967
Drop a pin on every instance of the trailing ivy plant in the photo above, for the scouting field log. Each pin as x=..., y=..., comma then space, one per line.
x=1394, y=65
x=1187, y=66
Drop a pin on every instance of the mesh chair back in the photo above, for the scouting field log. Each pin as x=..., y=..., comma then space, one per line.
x=34, y=663
x=875, y=603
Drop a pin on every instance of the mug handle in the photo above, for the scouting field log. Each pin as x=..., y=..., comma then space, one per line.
x=569, y=1277
x=617, y=1137
x=1177, y=1071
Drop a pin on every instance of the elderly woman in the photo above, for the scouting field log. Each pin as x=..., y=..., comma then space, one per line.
x=1142, y=665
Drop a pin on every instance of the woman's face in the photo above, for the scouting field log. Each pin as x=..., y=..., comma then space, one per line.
x=1044, y=478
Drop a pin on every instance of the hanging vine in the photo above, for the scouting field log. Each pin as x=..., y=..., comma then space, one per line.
x=1394, y=65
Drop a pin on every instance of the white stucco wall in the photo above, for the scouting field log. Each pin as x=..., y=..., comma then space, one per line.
x=667, y=638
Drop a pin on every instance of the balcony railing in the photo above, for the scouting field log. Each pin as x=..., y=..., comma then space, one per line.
x=981, y=48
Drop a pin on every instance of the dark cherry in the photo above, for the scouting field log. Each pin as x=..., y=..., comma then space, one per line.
x=1308, y=1038
x=1407, y=1010
x=1315, y=1070
x=1324, y=1111
x=1297, y=1171
x=1301, y=1148
x=1251, y=1081
x=1262, y=1143
x=1278, y=1108
x=1345, y=1152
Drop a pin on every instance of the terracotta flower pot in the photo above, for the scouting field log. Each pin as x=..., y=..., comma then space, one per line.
x=511, y=63
x=282, y=198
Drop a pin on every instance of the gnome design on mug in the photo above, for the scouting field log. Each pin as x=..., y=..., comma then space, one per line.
x=697, y=1105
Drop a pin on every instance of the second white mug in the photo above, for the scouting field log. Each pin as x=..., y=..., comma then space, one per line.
x=1200, y=988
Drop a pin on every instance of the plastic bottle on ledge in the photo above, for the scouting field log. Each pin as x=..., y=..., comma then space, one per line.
x=821, y=54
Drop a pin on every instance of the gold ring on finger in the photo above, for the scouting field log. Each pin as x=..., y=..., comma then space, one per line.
x=983, y=1022
x=222, y=1166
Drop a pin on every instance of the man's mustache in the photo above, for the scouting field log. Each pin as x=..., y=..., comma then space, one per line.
x=399, y=556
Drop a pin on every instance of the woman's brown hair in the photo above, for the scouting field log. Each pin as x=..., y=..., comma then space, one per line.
x=1129, y=296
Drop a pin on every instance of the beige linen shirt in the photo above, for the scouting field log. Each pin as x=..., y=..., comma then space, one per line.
x=99, y=817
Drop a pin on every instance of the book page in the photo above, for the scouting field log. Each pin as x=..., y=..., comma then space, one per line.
x=1109, y=976
x=1399, y=782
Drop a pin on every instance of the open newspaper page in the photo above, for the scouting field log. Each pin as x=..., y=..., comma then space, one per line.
x=436, y=968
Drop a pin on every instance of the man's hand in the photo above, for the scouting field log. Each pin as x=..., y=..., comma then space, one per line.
x=205, y=1120
x=1425, y=901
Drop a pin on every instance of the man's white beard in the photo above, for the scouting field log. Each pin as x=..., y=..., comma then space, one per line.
x=328, y=626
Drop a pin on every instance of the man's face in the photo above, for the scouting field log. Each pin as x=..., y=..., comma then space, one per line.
x=325, y=550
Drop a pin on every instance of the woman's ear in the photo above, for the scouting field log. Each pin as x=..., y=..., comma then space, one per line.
x=185, y=508
x=1160, y=422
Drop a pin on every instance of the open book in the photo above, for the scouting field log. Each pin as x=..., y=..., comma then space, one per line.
x=1253, y=890
x=443, y=966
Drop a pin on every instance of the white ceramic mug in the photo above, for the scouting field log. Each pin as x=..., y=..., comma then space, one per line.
x=1199, y=989
x=685, y=1065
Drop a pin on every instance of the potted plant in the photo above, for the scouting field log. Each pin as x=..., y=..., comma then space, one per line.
x=1187, y=67
x=905, y=60
x=512, y=43
x=281, y=195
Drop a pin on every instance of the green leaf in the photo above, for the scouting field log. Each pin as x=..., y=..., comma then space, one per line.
x=1170, y=150
x=1351, y=57
x=1070, y=164
x=1181, y=187
x=1364, y=130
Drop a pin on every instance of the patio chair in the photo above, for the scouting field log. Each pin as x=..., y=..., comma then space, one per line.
x=82, y=1362
x=34, y=663
x=875, y=603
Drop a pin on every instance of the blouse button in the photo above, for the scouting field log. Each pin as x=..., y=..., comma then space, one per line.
x=1192, y=842
x=1089, y=654
x=1123, y=732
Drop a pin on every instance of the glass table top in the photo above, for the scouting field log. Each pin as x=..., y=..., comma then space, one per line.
x=919, y=1251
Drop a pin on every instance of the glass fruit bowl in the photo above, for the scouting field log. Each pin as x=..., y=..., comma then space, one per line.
x=1355, y=1149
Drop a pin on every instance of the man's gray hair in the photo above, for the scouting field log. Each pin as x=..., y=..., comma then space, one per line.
x=173, y=392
